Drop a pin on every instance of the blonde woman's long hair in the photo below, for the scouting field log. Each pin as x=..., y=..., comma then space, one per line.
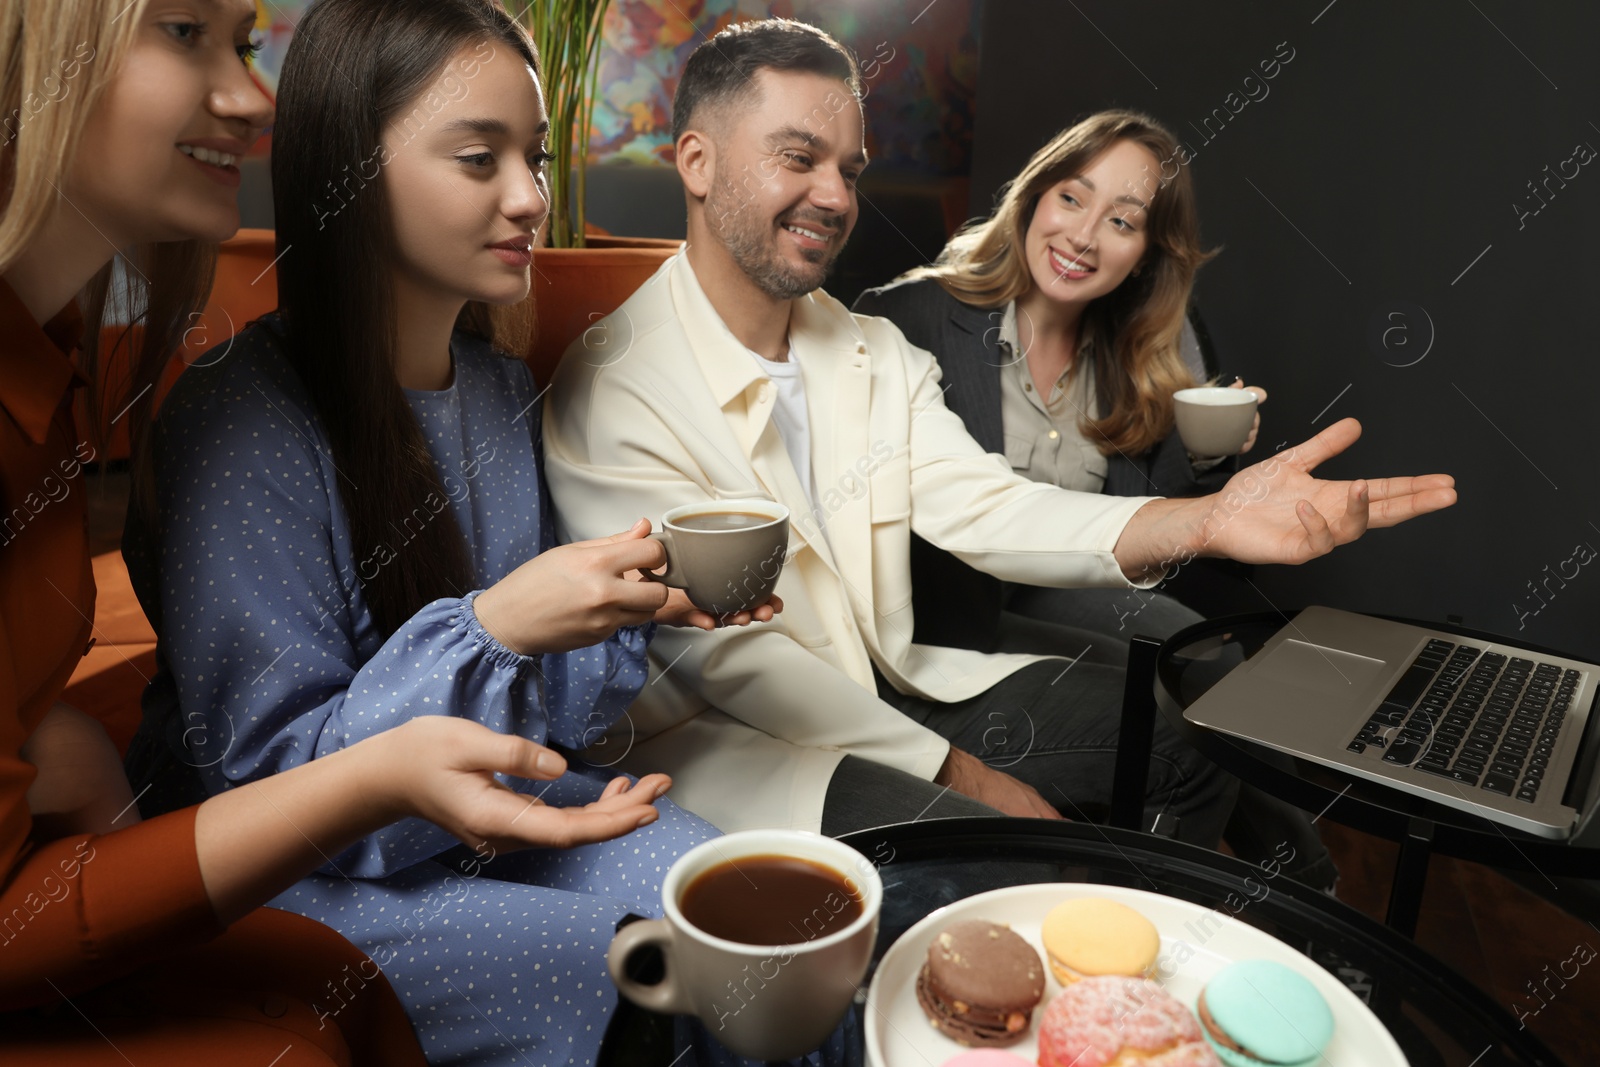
x=56, y=62
x=1130, y=334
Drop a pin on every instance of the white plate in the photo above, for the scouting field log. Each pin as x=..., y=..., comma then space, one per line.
x=1196, y=943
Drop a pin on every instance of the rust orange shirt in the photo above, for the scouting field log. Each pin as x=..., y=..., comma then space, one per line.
x=77, y=911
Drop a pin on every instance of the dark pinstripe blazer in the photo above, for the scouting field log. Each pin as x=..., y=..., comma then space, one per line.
x=954, y=604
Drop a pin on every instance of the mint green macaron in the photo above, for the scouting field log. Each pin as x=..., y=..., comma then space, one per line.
x=1257, y=1012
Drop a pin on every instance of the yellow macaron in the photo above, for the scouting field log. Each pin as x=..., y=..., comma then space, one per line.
x=1092, y=936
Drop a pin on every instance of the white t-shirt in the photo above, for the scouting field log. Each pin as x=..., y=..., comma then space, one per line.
x=790, y=417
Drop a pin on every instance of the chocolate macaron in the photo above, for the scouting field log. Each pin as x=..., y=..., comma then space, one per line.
x=980, y=984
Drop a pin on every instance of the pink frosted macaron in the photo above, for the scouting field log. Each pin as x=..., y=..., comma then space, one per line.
x=1096, y=1022
x=986, y=1057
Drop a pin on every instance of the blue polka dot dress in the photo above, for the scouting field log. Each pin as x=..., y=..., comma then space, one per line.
x=269, y=657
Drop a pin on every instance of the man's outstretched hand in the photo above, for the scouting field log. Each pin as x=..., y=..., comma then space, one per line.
x=1276, y=511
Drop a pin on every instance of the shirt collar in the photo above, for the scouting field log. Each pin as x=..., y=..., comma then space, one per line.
x=816, y=322
x=727, y=372
x=36, y=370
x=1008, y=328
x=1019, y=365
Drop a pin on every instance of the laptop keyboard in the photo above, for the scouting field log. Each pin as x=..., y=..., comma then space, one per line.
x=1483, y=719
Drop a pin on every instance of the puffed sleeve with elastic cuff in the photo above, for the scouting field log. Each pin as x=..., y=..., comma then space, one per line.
x=269, y=652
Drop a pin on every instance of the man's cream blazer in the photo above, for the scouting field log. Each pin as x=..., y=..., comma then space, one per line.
x=659, y=405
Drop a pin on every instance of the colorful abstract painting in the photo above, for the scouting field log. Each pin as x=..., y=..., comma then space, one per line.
x=919, y=61
x=275, y=22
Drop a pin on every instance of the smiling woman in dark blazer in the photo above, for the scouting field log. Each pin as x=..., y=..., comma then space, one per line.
x=1061, y=327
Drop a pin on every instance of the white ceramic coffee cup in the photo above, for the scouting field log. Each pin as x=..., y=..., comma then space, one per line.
x=1214, y=421
x=769, y=1002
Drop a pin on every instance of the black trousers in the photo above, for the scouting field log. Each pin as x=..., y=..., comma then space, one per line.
x=1262, y=828
x=1053, y=725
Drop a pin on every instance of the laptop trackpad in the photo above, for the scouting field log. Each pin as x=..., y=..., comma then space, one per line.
x=1316, y=667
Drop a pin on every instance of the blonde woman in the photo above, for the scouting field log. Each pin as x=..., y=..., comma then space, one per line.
x=121, y=940
x=1061, y=326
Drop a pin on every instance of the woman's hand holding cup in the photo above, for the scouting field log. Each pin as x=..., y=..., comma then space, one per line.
x=577, y=595
x=1255, y=427
x=573, y=596
x=1217, y=421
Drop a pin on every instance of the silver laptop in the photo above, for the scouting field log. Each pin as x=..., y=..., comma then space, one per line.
x=1485, y=728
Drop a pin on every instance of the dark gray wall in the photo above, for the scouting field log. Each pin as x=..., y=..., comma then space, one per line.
x=900, y=224
x=1378, y=183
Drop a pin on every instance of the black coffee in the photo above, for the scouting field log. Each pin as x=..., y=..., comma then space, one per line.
x=771, y=900
x=722, y=520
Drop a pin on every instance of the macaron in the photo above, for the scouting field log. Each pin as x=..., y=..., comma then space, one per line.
x=986, y=1057
x=1112, y=1020
x=980, y=984
x=1257, y=1012
x=1091, y=936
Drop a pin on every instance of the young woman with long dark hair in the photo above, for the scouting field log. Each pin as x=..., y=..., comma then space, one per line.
x=350, y=530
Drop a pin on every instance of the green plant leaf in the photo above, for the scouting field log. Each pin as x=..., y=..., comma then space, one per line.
x=567, y=34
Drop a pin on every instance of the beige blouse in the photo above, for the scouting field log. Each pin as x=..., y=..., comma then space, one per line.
x=1043, y=442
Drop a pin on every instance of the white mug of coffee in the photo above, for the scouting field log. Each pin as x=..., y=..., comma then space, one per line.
x=767, y=936
x=1214, y=420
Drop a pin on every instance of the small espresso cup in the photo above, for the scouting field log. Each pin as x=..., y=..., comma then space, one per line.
x=725, y=554
x=1214, y=421
x=779, y=998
